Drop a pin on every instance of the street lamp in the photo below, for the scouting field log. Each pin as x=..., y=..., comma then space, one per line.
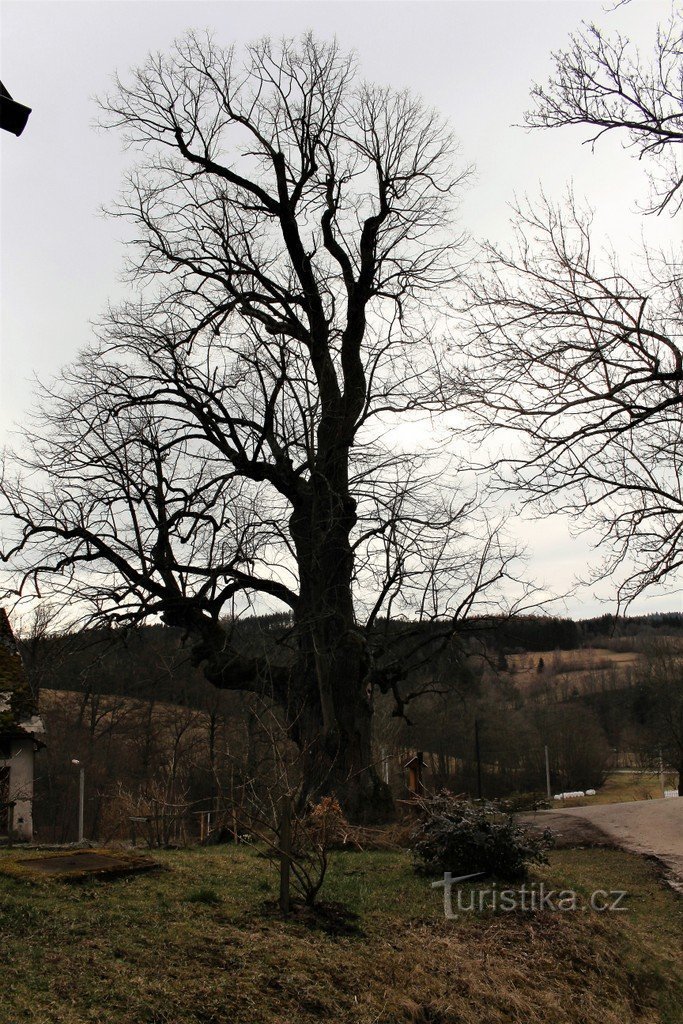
x=13, y=115
x=81, y=795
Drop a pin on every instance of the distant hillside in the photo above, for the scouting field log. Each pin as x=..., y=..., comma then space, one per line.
x=155, y=662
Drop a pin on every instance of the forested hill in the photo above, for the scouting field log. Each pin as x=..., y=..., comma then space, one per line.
x=545, y=633
x=153, y=661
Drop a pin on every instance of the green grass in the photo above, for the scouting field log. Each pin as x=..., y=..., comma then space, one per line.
x=201, y=943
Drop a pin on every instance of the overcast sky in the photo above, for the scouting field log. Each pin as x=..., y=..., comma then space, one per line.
x=475, y=61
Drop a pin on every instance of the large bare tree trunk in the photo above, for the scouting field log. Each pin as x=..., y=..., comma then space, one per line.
x=339, y=761
x=333, y=724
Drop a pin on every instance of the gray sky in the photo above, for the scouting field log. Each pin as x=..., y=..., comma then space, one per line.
x=475, y=61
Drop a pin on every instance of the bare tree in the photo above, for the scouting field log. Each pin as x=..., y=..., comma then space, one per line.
x=662, y=680
x=36, y=635
x=582, y=359
x=223, y=443
x=604, y=84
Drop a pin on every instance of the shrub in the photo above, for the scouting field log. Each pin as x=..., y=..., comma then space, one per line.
x=314, y=834
x=518, y=803
x=464, y=838
x=304, y=842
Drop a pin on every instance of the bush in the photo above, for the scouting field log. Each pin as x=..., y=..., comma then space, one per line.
x=464, y=838
x=518, y=803
x=303, y=839
x=314, y=834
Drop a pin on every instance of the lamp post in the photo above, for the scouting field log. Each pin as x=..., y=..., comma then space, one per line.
x=81, y=795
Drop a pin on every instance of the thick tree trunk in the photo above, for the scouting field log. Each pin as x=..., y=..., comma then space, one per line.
x=333, y=724
x=337, y=758
x=325, y=696
x=326, y=704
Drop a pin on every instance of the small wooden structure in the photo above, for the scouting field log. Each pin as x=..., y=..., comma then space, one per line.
x=135, y=822
x=415, y=767
x=206, y=824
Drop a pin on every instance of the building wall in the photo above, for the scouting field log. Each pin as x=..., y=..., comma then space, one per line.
x=20, y=765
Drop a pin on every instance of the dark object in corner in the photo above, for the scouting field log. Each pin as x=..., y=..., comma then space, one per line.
x=13, y=115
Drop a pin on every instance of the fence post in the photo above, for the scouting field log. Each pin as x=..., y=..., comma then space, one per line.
x=10, y=823
x=81, y=802
x=478, y=756
x=285, y=843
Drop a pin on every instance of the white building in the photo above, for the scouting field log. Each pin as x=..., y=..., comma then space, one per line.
x=20, y=737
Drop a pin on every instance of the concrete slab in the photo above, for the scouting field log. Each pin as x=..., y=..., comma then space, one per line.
x=77, y=864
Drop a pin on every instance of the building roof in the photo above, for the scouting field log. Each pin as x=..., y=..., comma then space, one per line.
x=18, y=707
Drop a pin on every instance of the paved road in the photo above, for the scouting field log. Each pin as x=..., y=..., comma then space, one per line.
x=651, y=827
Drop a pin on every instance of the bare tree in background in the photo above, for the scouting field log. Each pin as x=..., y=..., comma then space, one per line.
x=226, y=440
x=582, y=359
x=661, y=679
x=603, y=83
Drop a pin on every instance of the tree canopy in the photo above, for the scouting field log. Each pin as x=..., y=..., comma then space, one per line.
x=227, y=439
x=579, y=355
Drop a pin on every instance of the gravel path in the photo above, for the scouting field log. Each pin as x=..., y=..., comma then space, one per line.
x=650, y=827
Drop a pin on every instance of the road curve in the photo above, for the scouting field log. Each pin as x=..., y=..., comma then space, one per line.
x=653, y=828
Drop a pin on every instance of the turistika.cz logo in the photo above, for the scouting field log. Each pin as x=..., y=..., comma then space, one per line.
x=531, y=898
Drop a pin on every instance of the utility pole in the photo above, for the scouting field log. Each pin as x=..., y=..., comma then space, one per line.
x=547, y=774
x=478, y=754
x=385, y=764
x=81, y=796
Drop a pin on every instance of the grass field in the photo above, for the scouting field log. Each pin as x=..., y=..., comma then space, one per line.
x=199, y=942
x=622, y=787
x=583, y=670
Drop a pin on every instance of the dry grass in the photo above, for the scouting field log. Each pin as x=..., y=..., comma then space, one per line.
x=623, y=787
x=200, y=944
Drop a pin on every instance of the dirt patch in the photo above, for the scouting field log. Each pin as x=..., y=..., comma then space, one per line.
x=330, y=917
x=568, y=830
x=77, y=864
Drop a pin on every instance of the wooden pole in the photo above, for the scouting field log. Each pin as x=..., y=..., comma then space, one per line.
x=285, y=839
x=547, y=774
x=420, y=763
x=10, y=823
x=81, y=802
x=385, y=765
x=478, y=753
